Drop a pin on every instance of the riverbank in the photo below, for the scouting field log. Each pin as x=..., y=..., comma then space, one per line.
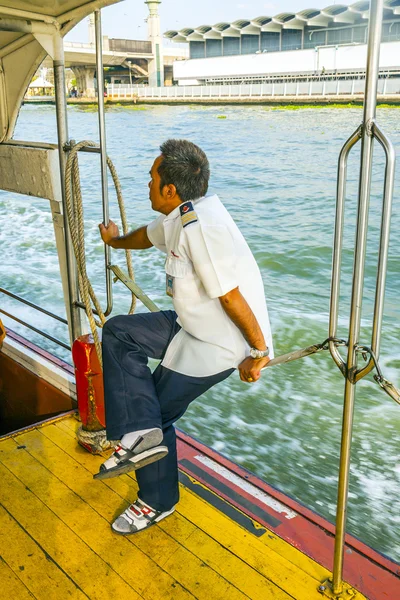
x=306, y=101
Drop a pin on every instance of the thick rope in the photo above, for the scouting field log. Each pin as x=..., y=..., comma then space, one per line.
x=74, y=204
x=95, y=442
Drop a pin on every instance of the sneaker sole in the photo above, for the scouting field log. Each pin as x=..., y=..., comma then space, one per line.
x=152, y=439
x=160, y=518
x=141, y=460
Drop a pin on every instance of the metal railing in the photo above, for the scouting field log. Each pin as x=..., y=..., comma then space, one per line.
x=340, y=87
x=103, y=154
x=367, y=132
x=32, y=327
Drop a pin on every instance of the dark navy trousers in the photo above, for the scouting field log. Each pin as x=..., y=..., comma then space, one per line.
x=137, y=399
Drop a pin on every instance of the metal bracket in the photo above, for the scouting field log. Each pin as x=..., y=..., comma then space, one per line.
x=347, y=593
x=51, y=42
x=388, y=387
x=369, y=127
x=133, y=287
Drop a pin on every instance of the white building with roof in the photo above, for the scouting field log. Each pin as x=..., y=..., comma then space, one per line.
x=328, y=43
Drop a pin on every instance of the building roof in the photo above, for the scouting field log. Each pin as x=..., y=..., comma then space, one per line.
x=310, y=17
x=40, y=82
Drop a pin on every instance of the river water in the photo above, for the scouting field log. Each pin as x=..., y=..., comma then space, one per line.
x=275, y=170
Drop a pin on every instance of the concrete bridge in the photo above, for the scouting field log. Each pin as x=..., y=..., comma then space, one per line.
x=131, y=61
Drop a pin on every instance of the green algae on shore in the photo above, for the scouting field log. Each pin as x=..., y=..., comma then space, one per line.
x=328, y=105
x=90, y=108
x=134, y=106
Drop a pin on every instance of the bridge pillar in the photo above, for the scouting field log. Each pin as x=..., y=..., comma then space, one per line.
x=85, y=81
x=156, y=65
x=92, y=33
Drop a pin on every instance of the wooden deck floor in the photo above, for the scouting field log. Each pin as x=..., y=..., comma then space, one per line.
x=56, y=541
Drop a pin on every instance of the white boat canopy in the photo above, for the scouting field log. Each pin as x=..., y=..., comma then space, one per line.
x=30, y=29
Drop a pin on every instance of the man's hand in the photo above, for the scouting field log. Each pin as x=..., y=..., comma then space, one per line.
x=135, y=240
x=250, y=368
x=240, y=313
x=109, y=232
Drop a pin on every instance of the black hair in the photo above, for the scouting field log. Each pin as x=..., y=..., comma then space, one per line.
x=185, y=166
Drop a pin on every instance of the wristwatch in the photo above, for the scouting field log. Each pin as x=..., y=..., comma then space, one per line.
x=254, y=353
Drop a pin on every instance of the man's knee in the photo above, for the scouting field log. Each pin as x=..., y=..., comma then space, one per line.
x=115, y=325
x=111, y=325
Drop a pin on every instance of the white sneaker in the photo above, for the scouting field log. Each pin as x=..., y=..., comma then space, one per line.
x=144, y=451
x=138, y=516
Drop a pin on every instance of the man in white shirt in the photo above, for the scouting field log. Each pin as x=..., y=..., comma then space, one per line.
x=219, y=323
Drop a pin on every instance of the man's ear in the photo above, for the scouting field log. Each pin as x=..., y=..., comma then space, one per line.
x=170, y=191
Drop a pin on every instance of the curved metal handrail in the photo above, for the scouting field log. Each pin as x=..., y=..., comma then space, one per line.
x=338, y=244
x=383, y=247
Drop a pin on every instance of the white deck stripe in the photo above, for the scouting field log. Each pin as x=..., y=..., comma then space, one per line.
x=247, y=487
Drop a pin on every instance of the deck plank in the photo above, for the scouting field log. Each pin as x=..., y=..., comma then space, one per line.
x=120, y=484
x=34, y=568
x=158, y=543
x=11, y=586
x=220, y=559
x=49, y=494
x=202, y=546
x=94, y=529
x=93, y=575
x=304, y=575
x=271, y=540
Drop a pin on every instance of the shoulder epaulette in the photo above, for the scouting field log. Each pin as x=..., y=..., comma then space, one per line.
x=188, y=214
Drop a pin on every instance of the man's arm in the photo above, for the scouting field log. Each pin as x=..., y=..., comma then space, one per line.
x=135, y=240
x=237, y=309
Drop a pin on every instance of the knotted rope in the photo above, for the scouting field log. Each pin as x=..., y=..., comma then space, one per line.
x=74, y=203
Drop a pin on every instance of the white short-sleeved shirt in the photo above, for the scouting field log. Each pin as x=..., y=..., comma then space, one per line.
x=207, y=257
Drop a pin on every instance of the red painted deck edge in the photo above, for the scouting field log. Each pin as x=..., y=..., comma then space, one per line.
x=289, y=502
x=373, y=574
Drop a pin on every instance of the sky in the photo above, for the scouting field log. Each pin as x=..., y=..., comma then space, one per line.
x=127, y=19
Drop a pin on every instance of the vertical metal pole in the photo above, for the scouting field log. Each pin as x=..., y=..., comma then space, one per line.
x=103, y=153
x=73, y=312
x=371, y=83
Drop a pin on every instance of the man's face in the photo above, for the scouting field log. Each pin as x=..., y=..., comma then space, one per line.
x=158, y=199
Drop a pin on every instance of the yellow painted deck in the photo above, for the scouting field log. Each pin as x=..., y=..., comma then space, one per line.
x=56, y=541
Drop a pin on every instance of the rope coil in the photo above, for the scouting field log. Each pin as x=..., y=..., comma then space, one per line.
x=75, y=214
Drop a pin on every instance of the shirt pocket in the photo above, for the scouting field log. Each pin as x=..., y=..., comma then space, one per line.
x=182, y=275
x=177, y=267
